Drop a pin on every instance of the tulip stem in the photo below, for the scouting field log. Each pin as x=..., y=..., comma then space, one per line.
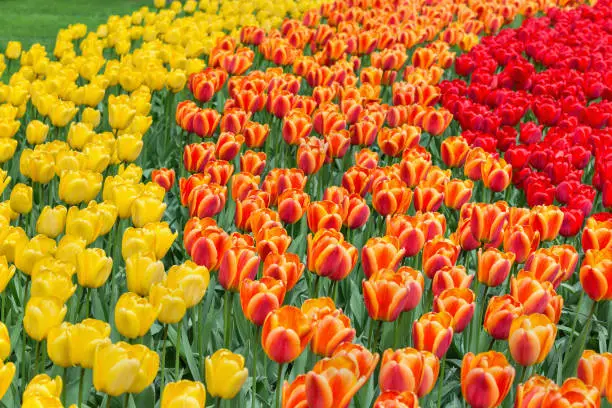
x=126, y=400
x=178, y=350
x=441, y=381
x=279, y=386
x=587, y=329
x=523, y=372
x=81, y=380
x=254, y=370
x=571, y=335
x=65, y=382
x=36, y=357
x=317, y=281
x=163, y=358
x=227, y=335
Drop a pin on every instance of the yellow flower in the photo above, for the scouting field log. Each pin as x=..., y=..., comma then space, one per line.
x=170, y=302
x=137, y=240
x=37, y=165
x=175, y=81
x=78, y=135
x=146, y=209
x=131, y=172
x=21, y=198
x=41, y=315
x=7, y=372
x=85, y=223
x=13, y=50
x=184, y=393
x=93, y=267
x=92, y=95
x=96, y=157
x=123, y=196
x=51, y=221
x=108, y=215
x=91, y=117
x=7, y=148
x=30, y=252
x=77, y=186
x=164, y=237
x=120, y=115
x=159, y=3
x=44, y=386
x=225, y=373
x=86, y=337
x=68, y=160
x=48, y=282
x=50, y=264
x=134, y=315
x=12, y=239
x=191, y=278
x=6, y=273
x=69, y=247
x=62, y=112
x=121, y=367
x=154, y=190
x=128, y=147
x=142, y=271
x=36, y=132
x=139, y=125
x=5, y=342
x=58, y=345
x=5, y=179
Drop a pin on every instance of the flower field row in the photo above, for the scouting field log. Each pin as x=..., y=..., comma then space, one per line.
x=365, y=203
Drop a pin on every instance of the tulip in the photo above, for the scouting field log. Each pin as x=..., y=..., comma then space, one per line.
x=143, y=271
x=191, y=279
x=391, y=196
x=536, y=296
x=285, y=334
x=259, y=298
x=21, y=198
x=323, y=215
x=433, y=332
x=134, y=315
x=385, y=295
x=48, y=283
x=28, y=253
x=381, y=253
x=7, y=373
x=390, y=399
x=358, y=212
x=84, y=339
x=41, y=315
x=501, y=312
x=124, y=368
x=12, y=52
x=486, y=379
x=547, y=221
x=329, y=255
x=8, y=146
x=531, y=338
x=255, y=134
x=51, y=221
x=403, y=370
x=496, y=174
x=330, y=331
x=595, y=274
x=79, y=186
x=454, y=150
x=225, y=374
x=439, y=253
x=494, y=266
x=163, y=177
x=292, y=204
x=597, y=234
x=36, y=132
x=450, y=277
x=459, y=303
x=253, y=162
x=594, y=370
x=357, y=180
x=544, y=267
x=521, y=241
x=457, y=192
x=170, y=303
x=146, y=209
x=184, y=393
x=238, y=263
x=284, y=267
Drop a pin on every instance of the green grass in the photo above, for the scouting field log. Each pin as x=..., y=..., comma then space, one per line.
x=32, y=21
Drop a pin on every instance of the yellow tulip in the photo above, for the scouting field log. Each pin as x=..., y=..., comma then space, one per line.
x=93, y=94
x=41, y=315
x=7, y=372
x=139, y=125
x=44, y=386
x=30, y=252
x=21, y=198
x=36, y=132
x=93, y=267
x=7, y=147
x=13, y=50
x=184, y=393
x=50, y=264
x=120, y=115
x=159, y=3
x=123, y=194
x=193, y=279
x=51, y=221
x=12, y=240
x=128, y=147
x=190, y=6
x=37, y=165
x=5, y=179
x=6, y=273
x=121, y=367
x=49, y=283
x=170, y=302
x=85, y=223
x=86, y=337
x=137, y=241
x=58, y=345
x=225, y=373
x=131, y=172
x=146, y=209
x=68, y=160
x=5, y=342
x=91, y=117
x=142, y=271
x=164, y=237
x=134, y=315
x=62, y=112
x=78, y=135
x=176, y=80
x=154, y=190
x=69, y=247
x=96, y=157
x=108, y=215
x=79, y=186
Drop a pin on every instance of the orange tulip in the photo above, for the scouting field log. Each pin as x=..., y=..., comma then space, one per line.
x=311, y=155
x=438, y=253
x=366, y=158
x=393, y=141
x=401, y=370
x=329, y=255
x=330, y=331
x=363, y=133
x=279, y=102
x=459, y=303
x=596, y=274
x=532, y=393
x=207, y=200
x=521, y=241
x=394, y=399
x=573, y=392
x=596, y=370
x=428, y=198
x=205, y=243
x=385, y=295
x=253, y=162
x=547, y=221
x=238, y=263
x=496, y=174
x=567, y=256
x=434, y=121
x=326, y=120
x=472, y=167
x=457, y=192
x=197, y=155
x=292, y=204
x=264, y=218
x=413, y=171
x=391, y=196
x=296, y=127
x=544, y=268
x=163, y=177
x=259, y=298
x=272, y=241
x=285, y=334
x=501, y=312
x=338, y=144
x=433, y=332
x=597, y=234
x=228, y=145
x=242, y=184
x=255, y=134
x=531, y=338
x=487, y=221
x=284, y=267
x=536, y=296
x=279, y=180
x=219, y=171
x=486, y=379
x=357, y=213
x=454, y=150
x=323, y=215
x=494, y=266
x=381, y=253
x=186, y=186
x=246, y=207
x=450, y=277
x=357, y=180
x=205, y=122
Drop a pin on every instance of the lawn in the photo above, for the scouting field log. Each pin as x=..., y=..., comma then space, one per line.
x=32, y=21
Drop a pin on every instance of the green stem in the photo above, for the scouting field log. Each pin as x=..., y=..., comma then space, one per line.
x=81, y=380
x=108, y=401
x=371, y=334
x=218, y=402
x=65, y=382
x=482, y=305
x=36, y=357
x=523, y=372
x=315, y=293
x=254, y=369
x=227, y=333
x=87, y=302
x=571, y=335
x=377, y=334
x=177, y=361
x=126, y=400
x=441, y=381
x=163, y=358
x=587, y=330
x=334, y=290
x=279, y=387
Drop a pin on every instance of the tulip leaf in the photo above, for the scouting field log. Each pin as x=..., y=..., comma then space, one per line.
x=144, y=399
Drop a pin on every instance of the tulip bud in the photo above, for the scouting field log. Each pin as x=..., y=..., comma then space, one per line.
x=21, y=198
x=433, y=332
x=191, y=279
x=36, y=132
x=184, y=393
x=225, y=373
x=259, y=298
x=494, y=266
x=143, y=271
x=41, y=315
x=486, y=378
x=501, y=312
x=531, y=338
x=134, y=315
x=287, y=326
x=51, y=221
x=170, y=303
